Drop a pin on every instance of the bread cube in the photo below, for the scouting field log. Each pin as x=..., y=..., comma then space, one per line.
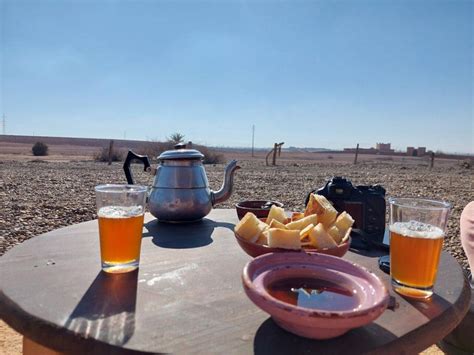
x=344, y=221
x=335, y=233
x=263, y=238
x=303, y=222
x=322, y=207
x=346, y=236
x=250, y=227
x=277, y=213
x=304, y=234
x=283, y=238
x=296, y=216
x=320, y=238
x=275, y=224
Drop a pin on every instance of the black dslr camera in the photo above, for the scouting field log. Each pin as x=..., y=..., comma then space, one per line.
x=366, y=204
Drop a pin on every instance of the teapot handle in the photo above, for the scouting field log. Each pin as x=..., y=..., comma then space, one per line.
x=126, y=165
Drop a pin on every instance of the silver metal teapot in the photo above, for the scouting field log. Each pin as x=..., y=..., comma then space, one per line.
x=180, y=192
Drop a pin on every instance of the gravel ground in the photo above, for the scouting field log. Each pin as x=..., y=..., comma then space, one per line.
x=38, y=196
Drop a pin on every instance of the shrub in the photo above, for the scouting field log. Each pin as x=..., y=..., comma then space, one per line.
x=39, y=149
x=466, y=164
x=103, y=155
x=210, y=156
x=154, y=149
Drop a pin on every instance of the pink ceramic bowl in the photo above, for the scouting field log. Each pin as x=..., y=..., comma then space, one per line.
x=254, y=249
x=368, y=295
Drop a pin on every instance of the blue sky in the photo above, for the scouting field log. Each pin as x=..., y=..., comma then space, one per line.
x=309, y=73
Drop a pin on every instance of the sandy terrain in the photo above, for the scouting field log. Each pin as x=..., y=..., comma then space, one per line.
x=39, y=195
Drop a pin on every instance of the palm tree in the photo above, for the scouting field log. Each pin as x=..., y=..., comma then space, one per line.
x=176, y=138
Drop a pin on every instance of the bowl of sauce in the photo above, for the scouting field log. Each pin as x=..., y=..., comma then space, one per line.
x=260, y=208
x=314, y=295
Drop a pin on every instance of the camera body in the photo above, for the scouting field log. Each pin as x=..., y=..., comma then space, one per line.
x=366, y=204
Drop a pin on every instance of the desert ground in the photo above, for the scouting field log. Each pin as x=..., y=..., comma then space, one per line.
x=39, y=194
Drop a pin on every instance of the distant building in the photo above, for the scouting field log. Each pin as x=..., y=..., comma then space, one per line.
x=380, y=148
x=421, y=151
x=418, y=152
x=384, y=147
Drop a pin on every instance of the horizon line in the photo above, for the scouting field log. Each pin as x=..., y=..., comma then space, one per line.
x=322, y=149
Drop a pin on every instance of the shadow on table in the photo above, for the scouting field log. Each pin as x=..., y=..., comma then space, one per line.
x=107, y=309
x=432, y=307
x=183, y=236
x=372, y=252
x=271, y=339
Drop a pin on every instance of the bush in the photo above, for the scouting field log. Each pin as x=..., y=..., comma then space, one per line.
x=211, y=156
x=39, y=149
x=103, y=155
x=466, y=164
x=154, y=149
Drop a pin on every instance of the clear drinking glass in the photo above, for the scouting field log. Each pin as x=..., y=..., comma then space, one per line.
x=120, y=209
x=417, y=228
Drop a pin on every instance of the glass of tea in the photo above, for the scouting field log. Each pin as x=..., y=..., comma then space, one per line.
x=417, y=228
x=120, y=209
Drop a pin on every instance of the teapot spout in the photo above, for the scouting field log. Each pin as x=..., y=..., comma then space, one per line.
x=226, y=190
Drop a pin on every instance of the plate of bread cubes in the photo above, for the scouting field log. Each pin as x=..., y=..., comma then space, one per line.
x=318, y=229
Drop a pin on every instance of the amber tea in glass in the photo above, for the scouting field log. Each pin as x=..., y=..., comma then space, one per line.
x=417, y=229
x=120, y=209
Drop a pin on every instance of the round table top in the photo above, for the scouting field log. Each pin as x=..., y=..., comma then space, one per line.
x=187, y=296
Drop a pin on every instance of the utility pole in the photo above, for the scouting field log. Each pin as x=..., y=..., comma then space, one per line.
x=253, y=138
x=4, y=125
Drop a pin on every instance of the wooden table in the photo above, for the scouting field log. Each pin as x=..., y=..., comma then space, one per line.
x=187, y=297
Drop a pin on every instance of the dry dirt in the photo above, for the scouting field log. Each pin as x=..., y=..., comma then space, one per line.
x=41, y=195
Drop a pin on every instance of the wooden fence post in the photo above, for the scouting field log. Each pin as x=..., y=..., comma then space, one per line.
x=357, y=153
x=279, y=148
x=275, y=148
x=266, y=158
x=111, y=147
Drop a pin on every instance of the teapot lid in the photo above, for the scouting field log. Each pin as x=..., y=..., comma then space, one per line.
x=180, y=152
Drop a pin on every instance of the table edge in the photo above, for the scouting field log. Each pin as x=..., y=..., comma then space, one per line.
x=51, y=336
x=421, y=338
